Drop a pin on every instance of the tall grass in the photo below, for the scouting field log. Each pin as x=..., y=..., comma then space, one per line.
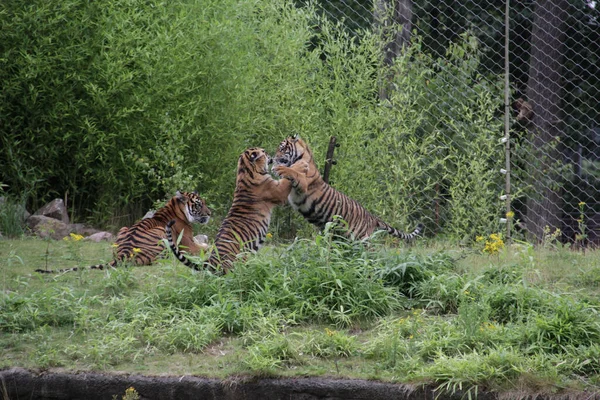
x=12, y=216
x=326, y=306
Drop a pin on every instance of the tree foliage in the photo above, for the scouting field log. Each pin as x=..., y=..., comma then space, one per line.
x=119, y=103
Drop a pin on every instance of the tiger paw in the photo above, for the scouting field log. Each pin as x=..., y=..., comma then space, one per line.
x=282, y=171
x=301, y=167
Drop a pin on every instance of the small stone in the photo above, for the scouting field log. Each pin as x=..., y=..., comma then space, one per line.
x=99, y=236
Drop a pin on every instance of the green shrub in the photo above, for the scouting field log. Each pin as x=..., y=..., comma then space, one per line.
x=123, y=102
x=405, y=270
x=565, y=323
x=514, y=303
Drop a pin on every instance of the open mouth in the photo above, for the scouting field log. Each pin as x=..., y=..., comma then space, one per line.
x=285, y=161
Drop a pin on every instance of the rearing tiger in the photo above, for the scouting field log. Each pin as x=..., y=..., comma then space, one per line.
x=247, y=222
x=318, y=202
x=142, y=242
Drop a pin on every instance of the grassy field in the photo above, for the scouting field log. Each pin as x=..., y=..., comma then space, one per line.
x=523, y=320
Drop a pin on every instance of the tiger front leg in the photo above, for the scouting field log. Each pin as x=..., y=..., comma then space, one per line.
x=191, y=244
x=297, y=174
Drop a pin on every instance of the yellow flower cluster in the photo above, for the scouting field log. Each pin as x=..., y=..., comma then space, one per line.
x=494, y=244
x=74, y=237
x=330, y=332
x=131, y=394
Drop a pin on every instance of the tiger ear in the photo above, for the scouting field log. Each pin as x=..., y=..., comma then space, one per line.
x=180, y=196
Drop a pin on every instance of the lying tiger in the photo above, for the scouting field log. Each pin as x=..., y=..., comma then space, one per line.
x=142, y=242
x=318, y=202
x=247, y=222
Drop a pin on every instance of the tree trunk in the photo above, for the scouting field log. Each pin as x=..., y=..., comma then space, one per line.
x=544, y=91
x=388, y=15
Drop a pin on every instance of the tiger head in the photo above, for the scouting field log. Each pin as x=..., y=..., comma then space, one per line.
x=193, y=206
x=291, y=150
x=253, y=161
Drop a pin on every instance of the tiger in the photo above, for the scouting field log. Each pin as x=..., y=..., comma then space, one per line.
x=318, y=202
x=142, y=242
x=245, y=227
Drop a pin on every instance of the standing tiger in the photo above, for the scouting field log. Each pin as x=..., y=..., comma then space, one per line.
x=318, y=202
x=142, y=242
x=247, y=222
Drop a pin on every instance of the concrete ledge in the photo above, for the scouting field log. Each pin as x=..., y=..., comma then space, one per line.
x=18, y=383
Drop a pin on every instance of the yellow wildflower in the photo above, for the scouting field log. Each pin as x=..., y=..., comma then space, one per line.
x=137, y=250
x=131, y=394
x=330, y=332
x=74, y=237
x=114, y=245
x=269, y=235
x=479, y=238
x=581, y=203
x=510, y=214
x=494, y=244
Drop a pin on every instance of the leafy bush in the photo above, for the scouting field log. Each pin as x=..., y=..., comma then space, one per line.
x=565, y=323
x=405, y=270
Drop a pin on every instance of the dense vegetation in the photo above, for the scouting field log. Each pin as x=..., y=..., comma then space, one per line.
x=115, y=104
x=489, y=318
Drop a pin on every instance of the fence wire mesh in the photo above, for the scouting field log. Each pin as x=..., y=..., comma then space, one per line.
x=547, y=54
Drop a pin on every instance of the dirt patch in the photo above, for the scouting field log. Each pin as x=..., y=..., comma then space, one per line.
x=18, y=383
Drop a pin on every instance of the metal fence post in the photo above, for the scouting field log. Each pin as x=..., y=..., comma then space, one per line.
x=507, y=118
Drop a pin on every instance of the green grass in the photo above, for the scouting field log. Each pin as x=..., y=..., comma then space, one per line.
x=524, y=320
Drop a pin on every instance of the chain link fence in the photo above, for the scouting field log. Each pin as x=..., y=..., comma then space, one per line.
x=547, y=54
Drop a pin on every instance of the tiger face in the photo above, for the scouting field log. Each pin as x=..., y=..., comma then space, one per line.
x=289, y=151
x=193, y=206
x=254, y=160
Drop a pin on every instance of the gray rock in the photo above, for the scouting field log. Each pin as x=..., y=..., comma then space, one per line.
x=99, y=236
x=47, y=227
x=55, y=209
